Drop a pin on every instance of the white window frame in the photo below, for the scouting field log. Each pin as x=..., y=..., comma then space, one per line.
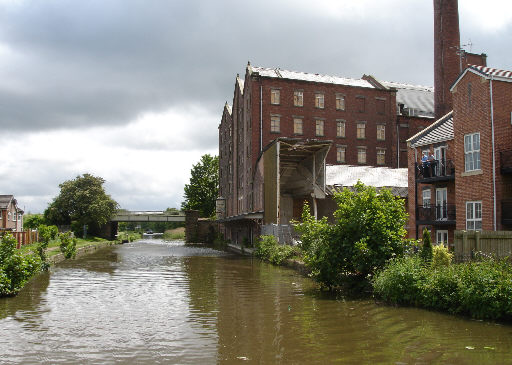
x=275, y=124
x=426, y=198
x=472, y=218
x=275, y=96
x=319, y=128
x=9, y=216
x=340, y=129
x=298, y=122
x=319, y=100
x=381, y=153
x=341, y=151
x=381, y=132
x=441, y=204
x=361, y=155
x=298, y=98
x=340, y=102
x=440, y=235
x=471, y=153
x=361, y=130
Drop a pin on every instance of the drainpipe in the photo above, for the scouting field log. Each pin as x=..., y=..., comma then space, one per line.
x=261, y=117
x=493, y=157
x=397, y=144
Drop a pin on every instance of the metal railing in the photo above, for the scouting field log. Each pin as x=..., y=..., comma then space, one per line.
x=506, y=212
x=436, y=213
x=435, y=169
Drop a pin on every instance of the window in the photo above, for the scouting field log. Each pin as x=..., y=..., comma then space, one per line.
x=275, y=124
x=472, y=151
x=319, y=100
x=298, y=126
x=442, y=237
x=340, y=129
x=361, y=130
x=381, y=106
x=340, y=154
x=340, y=102
x=14, y=217
x=298, y=98
x=381, y=132
x=275, y=96
x=474, y=216
x=9, y=216
x=19, y=217
x=381, y=156
x=319, y=128
x=361, y=155
x=361, y=104
x=426, y=198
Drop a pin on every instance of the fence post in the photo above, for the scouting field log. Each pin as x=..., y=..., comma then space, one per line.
x=478, y=246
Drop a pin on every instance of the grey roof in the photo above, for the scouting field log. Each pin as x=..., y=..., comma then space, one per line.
x=303, y=76
x=414, y=96
x=5, y=200
x=346, y=176
x=439, y=131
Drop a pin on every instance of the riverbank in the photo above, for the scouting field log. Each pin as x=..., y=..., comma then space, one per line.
x=85, y=248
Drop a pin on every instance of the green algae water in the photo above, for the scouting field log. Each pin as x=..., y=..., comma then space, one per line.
x=159, y=302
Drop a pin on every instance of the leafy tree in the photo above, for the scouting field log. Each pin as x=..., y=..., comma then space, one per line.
x=201, y=193
x=82, y=201
x=33, y=221
x=368, y=231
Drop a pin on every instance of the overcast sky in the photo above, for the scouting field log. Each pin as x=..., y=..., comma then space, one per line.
x=133, y=90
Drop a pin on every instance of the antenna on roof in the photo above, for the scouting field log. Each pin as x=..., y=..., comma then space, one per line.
x=469, y=44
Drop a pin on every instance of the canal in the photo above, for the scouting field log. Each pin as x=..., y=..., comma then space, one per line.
x=163, y=302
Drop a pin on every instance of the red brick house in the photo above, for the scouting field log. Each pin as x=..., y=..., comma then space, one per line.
x=11, y=216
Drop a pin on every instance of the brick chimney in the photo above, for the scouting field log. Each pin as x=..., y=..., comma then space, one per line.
x=447, y=62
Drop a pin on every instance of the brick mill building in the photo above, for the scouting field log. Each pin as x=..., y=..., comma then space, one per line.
x=303, y=123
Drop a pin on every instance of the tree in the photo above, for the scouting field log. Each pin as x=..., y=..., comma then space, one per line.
x=82, y=201
x=426, y=249
x=201, y=193
x=33, y=221
x=368, y=231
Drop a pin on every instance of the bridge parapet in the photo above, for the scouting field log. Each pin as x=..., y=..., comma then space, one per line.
x=147, y=216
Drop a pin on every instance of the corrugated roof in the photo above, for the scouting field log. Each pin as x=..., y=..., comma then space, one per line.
x=439, y=131
x=414, y=96
x=303, y=76
x=347, y=176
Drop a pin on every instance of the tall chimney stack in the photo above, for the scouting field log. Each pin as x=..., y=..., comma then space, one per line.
x=447, y=62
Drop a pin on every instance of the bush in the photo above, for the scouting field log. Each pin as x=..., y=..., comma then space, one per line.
x=441, y=256
x=15, y=269
x=68, y=245
x=269, y=250
x=426, y=249
x=482, y=290
x=368, y=231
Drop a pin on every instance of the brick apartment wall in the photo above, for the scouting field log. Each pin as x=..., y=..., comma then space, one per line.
x=471, y=118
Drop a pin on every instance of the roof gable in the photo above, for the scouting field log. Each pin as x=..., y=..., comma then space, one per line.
x=439, y=131
x=485, y=72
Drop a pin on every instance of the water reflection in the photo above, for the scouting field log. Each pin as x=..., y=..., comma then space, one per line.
x=163, y=302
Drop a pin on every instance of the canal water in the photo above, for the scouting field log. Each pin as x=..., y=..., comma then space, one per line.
x=159, y=302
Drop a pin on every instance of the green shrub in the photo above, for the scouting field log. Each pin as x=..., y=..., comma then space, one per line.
x=68, y=245
x=15, y=269
x=482, y=290
x=368, y=231
x=269, y=250
x=441, y=256
x=426, y=249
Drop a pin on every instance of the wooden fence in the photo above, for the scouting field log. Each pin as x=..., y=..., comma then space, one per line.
x=489, y=243
x=23, y=238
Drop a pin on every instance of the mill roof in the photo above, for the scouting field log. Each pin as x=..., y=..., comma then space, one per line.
x=304, y=76
x=439, y=131
x=347, y=176
x=414, y=96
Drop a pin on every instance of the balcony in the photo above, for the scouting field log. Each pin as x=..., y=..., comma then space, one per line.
x=438, y=215
x=434, y=171
x=506, y=212
x=506, y=162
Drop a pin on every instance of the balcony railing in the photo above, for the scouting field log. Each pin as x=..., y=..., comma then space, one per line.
x=436, y=214
x=435, y=170
x=506, y=212
x=506, y=162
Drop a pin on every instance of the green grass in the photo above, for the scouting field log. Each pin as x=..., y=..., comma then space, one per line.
x=174, y=234
x=54, y=249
